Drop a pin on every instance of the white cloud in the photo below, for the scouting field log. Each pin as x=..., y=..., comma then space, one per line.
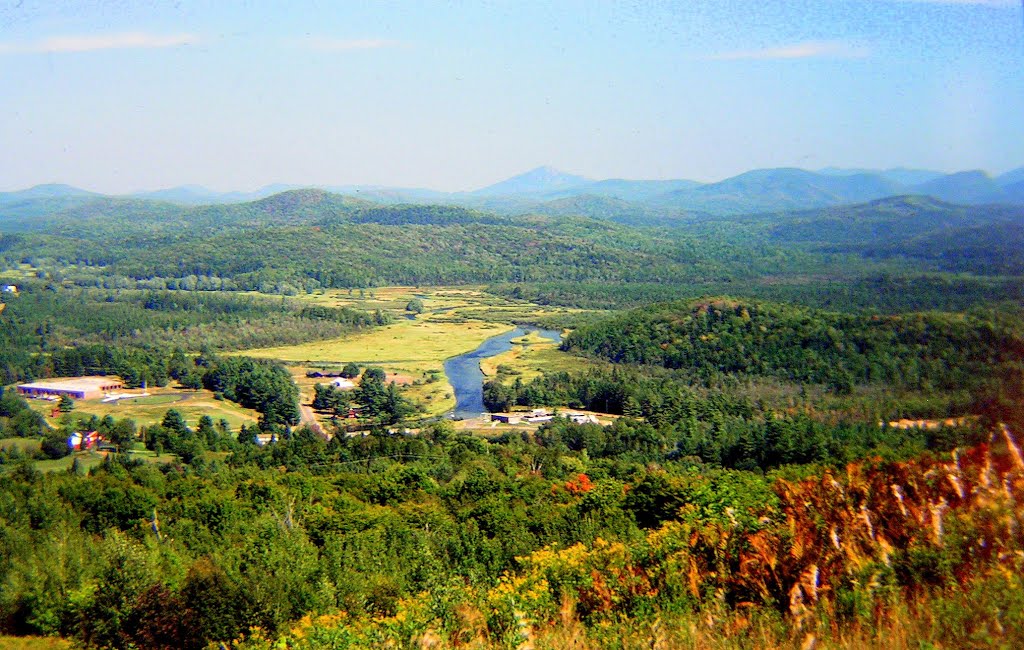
x=95, y=42
x=322, y=44
x=805, y=50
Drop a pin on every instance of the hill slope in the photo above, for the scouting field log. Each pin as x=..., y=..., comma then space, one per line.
x=801, y=344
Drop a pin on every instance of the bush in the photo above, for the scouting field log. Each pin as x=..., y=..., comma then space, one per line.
x=55, y=446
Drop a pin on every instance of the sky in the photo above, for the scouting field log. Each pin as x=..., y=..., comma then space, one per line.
x=117, y=96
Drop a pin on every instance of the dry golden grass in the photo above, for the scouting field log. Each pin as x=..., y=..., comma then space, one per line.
x=535, y=355
x=418, y=344
x=34, y=643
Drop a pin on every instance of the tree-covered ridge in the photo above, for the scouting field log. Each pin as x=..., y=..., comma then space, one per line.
x=805, y=345
x=48, y=330
x=307, y=239
x=887, y=220
x=878, y=293
x=959, y=238
x=346, y=254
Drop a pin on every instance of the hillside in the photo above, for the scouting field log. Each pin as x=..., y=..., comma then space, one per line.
x=779, y=189
x=980, y=239
x=306, y=239
x=613, y=209
x=728, y=430
x=804, y=345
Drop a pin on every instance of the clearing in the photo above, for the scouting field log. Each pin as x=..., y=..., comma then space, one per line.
x=192, y=404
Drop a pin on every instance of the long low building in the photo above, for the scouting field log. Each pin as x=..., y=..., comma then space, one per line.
x=75, y=387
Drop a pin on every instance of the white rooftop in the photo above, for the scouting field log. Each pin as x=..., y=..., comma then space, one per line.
x=73, y=383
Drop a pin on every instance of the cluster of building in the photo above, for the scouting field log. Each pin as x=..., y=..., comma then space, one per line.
x=539, y=416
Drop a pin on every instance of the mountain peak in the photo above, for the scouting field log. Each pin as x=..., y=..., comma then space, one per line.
x=294, y=198
x=538, y=180
x=972, y=186
x=54, y=190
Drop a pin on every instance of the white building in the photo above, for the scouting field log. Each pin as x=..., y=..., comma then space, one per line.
x=341, y=383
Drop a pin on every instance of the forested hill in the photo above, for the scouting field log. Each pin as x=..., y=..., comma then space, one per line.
x=308, y=239
x=979, y=239
x=887, y=220
x=805, y=345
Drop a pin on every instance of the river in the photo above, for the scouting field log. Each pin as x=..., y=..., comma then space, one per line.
x=464, y=372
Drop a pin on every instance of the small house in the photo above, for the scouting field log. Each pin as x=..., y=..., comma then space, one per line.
x=343, y=384
x=264, y=439
x=537, y=416
x=9, y=288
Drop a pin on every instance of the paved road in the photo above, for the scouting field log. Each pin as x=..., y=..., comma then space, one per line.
x=307, y=418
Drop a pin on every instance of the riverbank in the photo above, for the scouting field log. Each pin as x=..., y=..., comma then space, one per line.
x=454, y=321
x=464, y=371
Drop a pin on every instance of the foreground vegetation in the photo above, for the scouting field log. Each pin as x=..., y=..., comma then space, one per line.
x=389, y=539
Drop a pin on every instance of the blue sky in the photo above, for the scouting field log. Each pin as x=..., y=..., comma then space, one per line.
x=121, y=96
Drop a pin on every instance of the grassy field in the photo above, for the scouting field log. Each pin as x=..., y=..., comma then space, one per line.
x=409, y=343
x=24, y=444
x=455, y=320
x=86, y=460
x=415, y=349
x=22, y=272
x=533, y=355
x=151, y=409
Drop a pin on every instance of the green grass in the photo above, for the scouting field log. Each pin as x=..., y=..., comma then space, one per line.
x=148, y=401
x=152, y=457
x=24, y=444
x=86, y=460
x=533, y=355
x=151, y=409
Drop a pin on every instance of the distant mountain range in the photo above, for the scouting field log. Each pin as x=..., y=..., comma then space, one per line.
x=548, y=191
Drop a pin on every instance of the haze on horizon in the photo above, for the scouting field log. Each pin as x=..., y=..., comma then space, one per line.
x=122, y=97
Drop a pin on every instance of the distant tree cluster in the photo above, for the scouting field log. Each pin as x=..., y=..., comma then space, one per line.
x=798, y=344
x=375, y=399
x=258, y=384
